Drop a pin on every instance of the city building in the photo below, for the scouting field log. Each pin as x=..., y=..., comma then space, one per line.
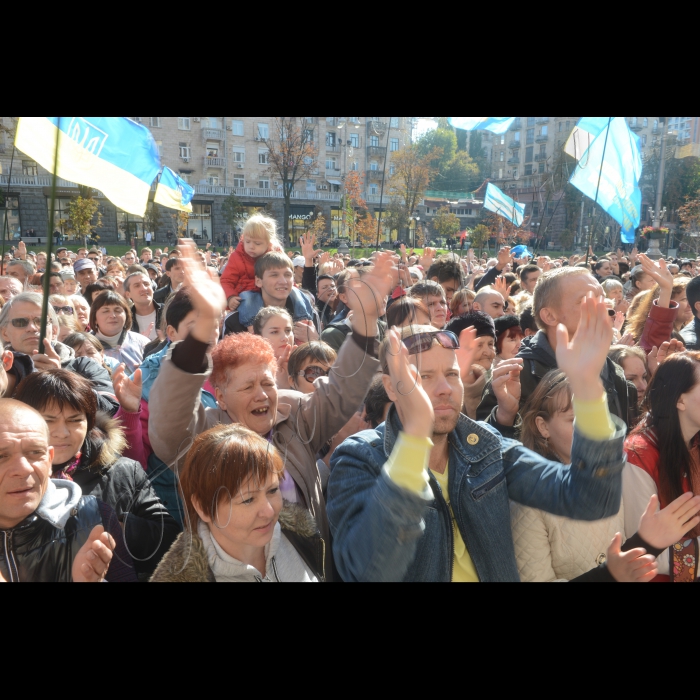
x=223, y=156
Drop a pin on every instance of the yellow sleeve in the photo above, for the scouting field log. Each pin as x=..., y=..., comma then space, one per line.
x=408, y=464
x=593, y=419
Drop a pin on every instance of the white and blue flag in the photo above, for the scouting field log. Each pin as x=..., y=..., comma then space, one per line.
x=498, y=125
x=112, y=154
x=618, y=166
x=501, y=204
x=173, y=192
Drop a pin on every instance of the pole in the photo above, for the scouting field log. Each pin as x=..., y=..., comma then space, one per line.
x=49, y=243
x=597, y=192
x=6, y=225
x=381, y=198
x=662, y=173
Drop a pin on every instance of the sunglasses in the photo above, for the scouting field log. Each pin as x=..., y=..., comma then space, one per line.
x=423, y=342
x=311, y=374
x=24, y=322
x=612, y=313
x=67, y=310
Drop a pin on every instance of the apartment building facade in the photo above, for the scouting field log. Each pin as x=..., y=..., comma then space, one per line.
x=221, y=156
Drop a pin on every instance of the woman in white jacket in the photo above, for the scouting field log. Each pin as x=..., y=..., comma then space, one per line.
x=238, y=529
x=554, y=549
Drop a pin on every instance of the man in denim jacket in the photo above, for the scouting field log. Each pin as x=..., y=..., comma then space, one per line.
x=425, y=498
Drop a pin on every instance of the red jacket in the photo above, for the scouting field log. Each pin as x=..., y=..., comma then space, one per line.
x=239, y=275
x=659, y=326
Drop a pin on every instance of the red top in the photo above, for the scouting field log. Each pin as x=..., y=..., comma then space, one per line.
x=659, y=326
x=239, y=275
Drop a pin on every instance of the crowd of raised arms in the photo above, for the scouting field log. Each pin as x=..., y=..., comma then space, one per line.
x=305, y=417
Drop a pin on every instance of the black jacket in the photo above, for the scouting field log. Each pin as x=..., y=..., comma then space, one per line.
x=690, y=334
x=159, y=314
x=161, y=296
x=539, y=359
x=38, y=552
x=123, y=485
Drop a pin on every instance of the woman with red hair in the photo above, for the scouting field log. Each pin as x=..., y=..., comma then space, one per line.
x=244, y=372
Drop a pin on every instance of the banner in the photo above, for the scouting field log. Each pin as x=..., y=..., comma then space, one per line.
x=500, y=203
x=112, y=154
x=618, y=167
x=498, y=125
x=173, y=192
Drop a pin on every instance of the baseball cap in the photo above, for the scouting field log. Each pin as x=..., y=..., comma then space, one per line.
x=83, y=264
x=67, y=275
x=299, y=262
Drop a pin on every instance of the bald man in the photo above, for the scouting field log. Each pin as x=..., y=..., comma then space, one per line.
x=48, y=532
x=491, y=303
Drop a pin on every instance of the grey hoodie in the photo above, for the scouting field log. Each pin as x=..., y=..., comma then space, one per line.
x=59, y=502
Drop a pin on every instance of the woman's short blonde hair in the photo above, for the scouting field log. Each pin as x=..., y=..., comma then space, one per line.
x=263, y=228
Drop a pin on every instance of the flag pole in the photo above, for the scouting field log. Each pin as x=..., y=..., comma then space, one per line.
x=381, y=198
x=597, y=192
x=49, y=243
x=6, y=224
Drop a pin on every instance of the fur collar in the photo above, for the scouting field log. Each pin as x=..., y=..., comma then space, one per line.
x=187, y=562
x=105, y=444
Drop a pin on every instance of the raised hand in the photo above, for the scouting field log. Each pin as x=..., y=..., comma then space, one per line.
x=92, y=562
x=404, y=257
x=48, y=361
x=660, y=273
x=583, y=358
x=368, y=296
x=501, y=286
x=620, y=319
x=325, y=259
x=508, y=390
x=308, y=247
x=504, y=258
x=406, y=390
x=622, y=306
x=635, y=566
x=22, y=250
x=465, y=356
x=663, y=528
x=128, y=391
x=628, y=339
x=207, y=296
x=427, y=259
x=573, y=260
x=657, y=356
x=305, y=332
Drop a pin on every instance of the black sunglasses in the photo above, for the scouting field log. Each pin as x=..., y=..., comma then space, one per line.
x=24, y=322
x=423, y=342
x=67, y=310
x=311, y=374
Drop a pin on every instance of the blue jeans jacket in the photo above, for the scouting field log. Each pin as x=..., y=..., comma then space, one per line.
x=383, y=533
x=252, y=304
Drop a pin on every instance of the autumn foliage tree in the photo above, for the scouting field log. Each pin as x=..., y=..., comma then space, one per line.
x=689, y=214
x=413, y=171
x=84, y=217
x=292, y=157
x=480, y=236
x=446, y=224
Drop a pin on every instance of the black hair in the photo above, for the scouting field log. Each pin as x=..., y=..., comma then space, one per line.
x=171, y=264
x=376, y=402
x=693, y=290
x=527, y=321
x=178, y=308
x=445, y=271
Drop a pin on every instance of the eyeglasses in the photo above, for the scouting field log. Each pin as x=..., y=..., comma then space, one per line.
x=24, y=322
x=67, y=310
x=423, y=342
x=311, y=374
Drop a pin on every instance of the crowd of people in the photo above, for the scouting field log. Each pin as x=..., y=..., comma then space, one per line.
x=298, y=416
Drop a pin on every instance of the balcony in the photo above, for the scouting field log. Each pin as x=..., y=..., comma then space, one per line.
x=542, y=120
x=515, y=145
x=636, y=126
x=214, y=134
x=376, y=152
x=375, y=175
x=214, y=162
x=540, y=157
x=373, y=127
x=332, y=148
x=517, y=125
x=542, y=138
x=333, y=172
x=514, y=161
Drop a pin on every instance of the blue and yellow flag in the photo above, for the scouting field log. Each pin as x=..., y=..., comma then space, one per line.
x=112, y=154
x=501, y=204
x=498, y=125
x=173, y=192
x=613, y=160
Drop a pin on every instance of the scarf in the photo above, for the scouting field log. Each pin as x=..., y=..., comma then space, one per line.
x=65, y=472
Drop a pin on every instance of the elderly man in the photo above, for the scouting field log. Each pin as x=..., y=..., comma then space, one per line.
x=21, y=270
x=425, y=498
x=20, y=329
x=490, y=302
x=49, y=533
x=85, y=273
x=10, y=287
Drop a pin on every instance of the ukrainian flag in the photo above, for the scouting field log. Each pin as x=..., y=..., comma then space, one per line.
x=501, y=204
x=498, y=125
x=112, y=154
x=173, y=192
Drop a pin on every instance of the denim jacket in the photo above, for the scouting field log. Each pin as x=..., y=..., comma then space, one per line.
x=384, y=533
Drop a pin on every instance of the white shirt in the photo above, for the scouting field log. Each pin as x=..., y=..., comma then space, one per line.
x=146, y=322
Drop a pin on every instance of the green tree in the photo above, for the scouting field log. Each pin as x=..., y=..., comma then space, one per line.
x=232, y=211
x=84, y=214
x=480, y=237
x=446, y=223
x=152, y=219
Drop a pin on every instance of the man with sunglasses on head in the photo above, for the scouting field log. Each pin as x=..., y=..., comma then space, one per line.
x=557, y=301
x=426, y=497
x=20, y=330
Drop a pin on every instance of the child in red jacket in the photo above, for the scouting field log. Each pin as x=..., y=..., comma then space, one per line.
x=259, y=237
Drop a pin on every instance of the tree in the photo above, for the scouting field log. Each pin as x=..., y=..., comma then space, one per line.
x=292, y=157
x=84, y=214
x=446, y=224
x=233, y=211
x=480, y=237
x=152, y=219
x=414, y=169
x=181, y=223
x=318, y=226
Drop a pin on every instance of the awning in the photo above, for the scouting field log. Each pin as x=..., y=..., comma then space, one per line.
x=336, y=182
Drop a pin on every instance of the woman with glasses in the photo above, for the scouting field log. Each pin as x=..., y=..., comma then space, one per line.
x=308, y=363
x=64, y=306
